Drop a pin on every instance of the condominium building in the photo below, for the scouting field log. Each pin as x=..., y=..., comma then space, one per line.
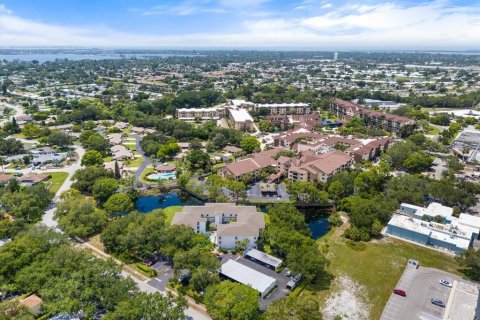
x=295, y=108
x=226, y=223
x=193, y=114
x=346, y=110
x=312, y=167
x=241, y=119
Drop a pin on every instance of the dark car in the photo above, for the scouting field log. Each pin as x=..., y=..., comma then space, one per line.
x=438, y=302
x=148, y=263
x=399, y=292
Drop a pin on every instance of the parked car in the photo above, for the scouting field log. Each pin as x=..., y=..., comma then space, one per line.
x=399, y=292
x=438, y=302
x=445, y=283
x=288, y=273
x=148, y=263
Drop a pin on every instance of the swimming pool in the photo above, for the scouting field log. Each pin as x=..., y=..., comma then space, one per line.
x=160, y=176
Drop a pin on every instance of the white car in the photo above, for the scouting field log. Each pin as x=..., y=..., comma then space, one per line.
x=445, y=283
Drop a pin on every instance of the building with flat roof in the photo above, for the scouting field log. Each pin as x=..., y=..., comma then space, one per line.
x=453, y=234
x=245, y=275
x=230, y=223
x=263, y=258
x=431, y=211
x=241, y=119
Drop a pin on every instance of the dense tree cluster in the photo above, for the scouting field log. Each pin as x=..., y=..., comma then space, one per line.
x=72, y=281
x=288, y=237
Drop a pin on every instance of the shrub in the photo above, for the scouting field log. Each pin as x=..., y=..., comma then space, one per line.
x=335, y=220
x=151, y=272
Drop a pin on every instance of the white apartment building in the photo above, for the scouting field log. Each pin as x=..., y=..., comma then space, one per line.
x=192, y=114
x=226, y=223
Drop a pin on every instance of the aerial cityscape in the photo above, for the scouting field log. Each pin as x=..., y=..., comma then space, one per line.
x=240, y=160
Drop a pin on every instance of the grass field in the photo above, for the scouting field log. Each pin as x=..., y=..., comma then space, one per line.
x=170, y=212
x=57, y=179
x=376, y=265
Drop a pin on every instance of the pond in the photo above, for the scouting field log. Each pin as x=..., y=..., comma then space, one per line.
x=173, y=198
x=319, y=228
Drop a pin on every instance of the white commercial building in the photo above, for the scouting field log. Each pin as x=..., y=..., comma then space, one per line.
x=453, y=234
x=245, y=275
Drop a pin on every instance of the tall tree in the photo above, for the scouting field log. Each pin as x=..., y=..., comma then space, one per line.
x=232, y=301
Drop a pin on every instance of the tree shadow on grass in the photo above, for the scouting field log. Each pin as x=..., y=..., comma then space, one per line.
x=322, y=282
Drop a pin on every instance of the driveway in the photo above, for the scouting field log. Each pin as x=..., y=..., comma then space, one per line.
x=165, y=273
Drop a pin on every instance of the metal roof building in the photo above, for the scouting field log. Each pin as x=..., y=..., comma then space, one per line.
x=263, y=258
x=245, y=275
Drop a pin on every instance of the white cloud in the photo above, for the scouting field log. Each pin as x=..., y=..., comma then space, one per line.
x=434, y=25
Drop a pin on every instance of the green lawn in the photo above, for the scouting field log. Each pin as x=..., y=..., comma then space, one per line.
x=136, y=162
x=57, y=179
x=107, y=159
x=130, y=146
x=145, y=173
x=377, y=265
x=170, y=212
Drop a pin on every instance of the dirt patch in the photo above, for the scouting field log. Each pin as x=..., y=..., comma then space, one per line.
x=347, y=301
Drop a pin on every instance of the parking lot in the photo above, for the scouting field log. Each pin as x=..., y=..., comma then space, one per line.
x=420, y=285
x=281, y=278
x=165, y=272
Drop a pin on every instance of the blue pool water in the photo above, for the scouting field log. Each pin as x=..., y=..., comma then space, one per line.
x=319, y=227
x=160, y=176
x=149, y=203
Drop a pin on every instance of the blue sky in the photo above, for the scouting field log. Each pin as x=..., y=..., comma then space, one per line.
x=294, y=24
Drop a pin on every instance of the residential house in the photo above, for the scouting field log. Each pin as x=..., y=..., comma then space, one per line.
x=120, y=152
x=32, y=179
x=165, y=168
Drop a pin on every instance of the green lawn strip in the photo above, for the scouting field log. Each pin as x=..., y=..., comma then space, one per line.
x=170, y=212
x=377, y=265
x=107, y=159
x=57, y=179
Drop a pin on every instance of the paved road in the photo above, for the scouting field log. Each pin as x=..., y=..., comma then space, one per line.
x=421, y=285
x=146, y=160
x=18, y=112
